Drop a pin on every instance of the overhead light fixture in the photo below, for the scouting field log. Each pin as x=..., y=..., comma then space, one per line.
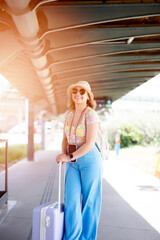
x=130, y=40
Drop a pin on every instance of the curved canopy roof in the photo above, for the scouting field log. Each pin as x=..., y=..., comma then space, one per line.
x=47, y=45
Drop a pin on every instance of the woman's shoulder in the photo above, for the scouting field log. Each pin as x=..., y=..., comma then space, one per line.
x=91, y=115
x=68, y=111
x=89, y=111
x=67, y=114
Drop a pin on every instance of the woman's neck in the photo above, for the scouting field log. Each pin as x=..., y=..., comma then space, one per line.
x=80, y=107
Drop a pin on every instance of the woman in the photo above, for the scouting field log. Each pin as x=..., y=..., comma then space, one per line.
x=83, y=177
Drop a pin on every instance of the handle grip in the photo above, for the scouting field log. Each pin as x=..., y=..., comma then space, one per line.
x=59, y=185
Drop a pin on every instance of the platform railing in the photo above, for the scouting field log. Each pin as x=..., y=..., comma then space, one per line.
x=4, y=193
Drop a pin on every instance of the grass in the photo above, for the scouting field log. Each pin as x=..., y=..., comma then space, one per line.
x=15, y=153
x=144, y=158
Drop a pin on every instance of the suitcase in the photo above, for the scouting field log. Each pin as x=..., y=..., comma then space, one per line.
x=48, y=219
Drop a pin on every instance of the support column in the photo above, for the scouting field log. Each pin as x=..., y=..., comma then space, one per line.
x=30, y=154
x=42, y=132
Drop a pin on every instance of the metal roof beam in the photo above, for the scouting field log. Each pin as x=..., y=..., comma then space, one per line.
x=88, y=52
x=107, y=79
x=108, y=91
x=84, y=37
x=107, y=84
x=28, y=27
x=10, y=47
x=97, y=66
x=122, y=68
x=58, y=67
x=108, y=67
x=68, y=17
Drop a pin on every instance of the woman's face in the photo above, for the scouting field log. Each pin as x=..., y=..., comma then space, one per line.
x=79, y=95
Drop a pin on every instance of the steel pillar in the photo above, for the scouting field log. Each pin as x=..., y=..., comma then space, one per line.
x=42, y=132
x=30, y=154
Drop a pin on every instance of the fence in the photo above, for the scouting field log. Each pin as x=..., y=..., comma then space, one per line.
x=4, y=193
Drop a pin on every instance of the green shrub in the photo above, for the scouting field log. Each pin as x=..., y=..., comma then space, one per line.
x=125, y=140
x=145, y=122
x=129, y=136
x=15, y=152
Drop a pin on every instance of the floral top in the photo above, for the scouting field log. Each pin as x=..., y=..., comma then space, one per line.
x=89, y=116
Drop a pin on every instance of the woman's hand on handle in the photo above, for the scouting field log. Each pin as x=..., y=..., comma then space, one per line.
x=62, y=158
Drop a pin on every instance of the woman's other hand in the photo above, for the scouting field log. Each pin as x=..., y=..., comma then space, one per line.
x=62, y=158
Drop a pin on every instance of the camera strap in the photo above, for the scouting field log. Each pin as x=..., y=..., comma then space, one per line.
x=76, y=125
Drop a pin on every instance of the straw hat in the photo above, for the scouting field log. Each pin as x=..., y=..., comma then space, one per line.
x=82, y=84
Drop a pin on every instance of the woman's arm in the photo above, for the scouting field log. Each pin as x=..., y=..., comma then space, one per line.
x=64, y=142
x=63, y=157
x=92, y=131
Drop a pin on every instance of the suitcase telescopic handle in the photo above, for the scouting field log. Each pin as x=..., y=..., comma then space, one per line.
x=59, y=185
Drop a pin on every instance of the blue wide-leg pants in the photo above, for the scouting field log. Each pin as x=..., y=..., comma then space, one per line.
x=83, y=187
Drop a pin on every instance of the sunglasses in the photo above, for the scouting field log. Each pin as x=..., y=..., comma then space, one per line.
x=81, y=91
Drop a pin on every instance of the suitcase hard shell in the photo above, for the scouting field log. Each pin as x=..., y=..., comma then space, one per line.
x=48, y=219
x=48, y=222
x=55, y=222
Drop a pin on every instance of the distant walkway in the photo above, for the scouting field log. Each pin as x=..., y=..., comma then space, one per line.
x=130, y=209
x=131, y=202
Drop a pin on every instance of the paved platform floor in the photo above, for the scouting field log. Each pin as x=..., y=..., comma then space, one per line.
x=130, y=209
